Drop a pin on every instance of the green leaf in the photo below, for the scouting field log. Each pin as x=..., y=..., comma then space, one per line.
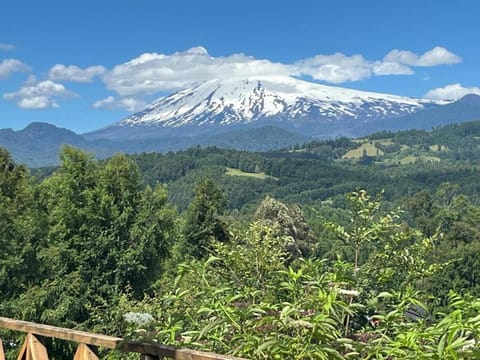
x=441, y=346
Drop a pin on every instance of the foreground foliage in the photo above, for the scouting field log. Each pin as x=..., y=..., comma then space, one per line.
x=91, y=247
x=248, y=300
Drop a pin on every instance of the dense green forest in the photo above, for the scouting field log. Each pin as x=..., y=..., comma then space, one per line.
x=402, y=164
x=346, y=248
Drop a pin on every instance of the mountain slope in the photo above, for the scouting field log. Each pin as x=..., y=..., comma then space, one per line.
x=39, y=143
x=465, y=109
x=283, y=101
x=250, y=115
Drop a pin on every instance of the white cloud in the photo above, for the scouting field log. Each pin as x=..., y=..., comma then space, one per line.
x=111, y=103
x=6, y=47
x=10, y=66
x=73, y=73
x=152, y=73
x=339, y=68
x=39, y=95
x=336, y=68
x=37, y=102
x=436, y=56
x=451, y=92
x=390, y=68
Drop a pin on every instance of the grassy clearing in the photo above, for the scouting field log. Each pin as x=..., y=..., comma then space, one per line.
x=364, y=149
x=260, y=175
x=438, y=147
x=413, y=159
x=408, y=160
x=430, y=159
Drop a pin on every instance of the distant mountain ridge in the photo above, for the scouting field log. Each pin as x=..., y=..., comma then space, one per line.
x=255, y=115
x=39, y=143
x=465, y=109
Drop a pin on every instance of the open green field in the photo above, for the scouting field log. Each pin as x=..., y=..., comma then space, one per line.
x=438, y=147
x=260, y=175
x=367, y=148
x=408, y=160
x=413, y=159
x=430, y=158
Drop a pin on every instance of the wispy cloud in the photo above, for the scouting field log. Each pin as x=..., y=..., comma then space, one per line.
x=156, y=73
x=111, y=103
x=451, y=92
x=39, y=95
x=6, y=47
x=339, y=68
x=436, y=56
x=74, y=73
x=152, y=73
x=10, y=66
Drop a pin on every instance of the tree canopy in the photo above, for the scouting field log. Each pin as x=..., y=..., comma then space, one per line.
x=298, y=254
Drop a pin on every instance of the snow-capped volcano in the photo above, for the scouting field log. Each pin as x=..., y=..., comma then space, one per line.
x=280, y=100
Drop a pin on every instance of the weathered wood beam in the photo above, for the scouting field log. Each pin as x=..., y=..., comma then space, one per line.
x=172, y=352
x=77, y=336
x=110, y=342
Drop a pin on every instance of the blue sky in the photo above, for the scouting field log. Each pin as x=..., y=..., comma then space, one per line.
x=86, y=64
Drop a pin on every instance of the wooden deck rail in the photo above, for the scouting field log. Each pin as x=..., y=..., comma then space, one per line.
x=33, y=349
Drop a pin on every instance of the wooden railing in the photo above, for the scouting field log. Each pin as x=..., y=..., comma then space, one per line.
x=33, y=349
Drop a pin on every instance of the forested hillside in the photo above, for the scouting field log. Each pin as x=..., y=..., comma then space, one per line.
x=400, y=164
x=347, y=249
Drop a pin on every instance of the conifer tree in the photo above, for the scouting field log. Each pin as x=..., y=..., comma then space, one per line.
x=204, y=220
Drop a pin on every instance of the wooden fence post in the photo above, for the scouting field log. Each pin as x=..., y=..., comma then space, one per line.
x=32, y=349
x=85, y=353
x=2, y=353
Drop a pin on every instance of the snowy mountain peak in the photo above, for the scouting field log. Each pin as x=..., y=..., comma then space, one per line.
x=238, y=101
